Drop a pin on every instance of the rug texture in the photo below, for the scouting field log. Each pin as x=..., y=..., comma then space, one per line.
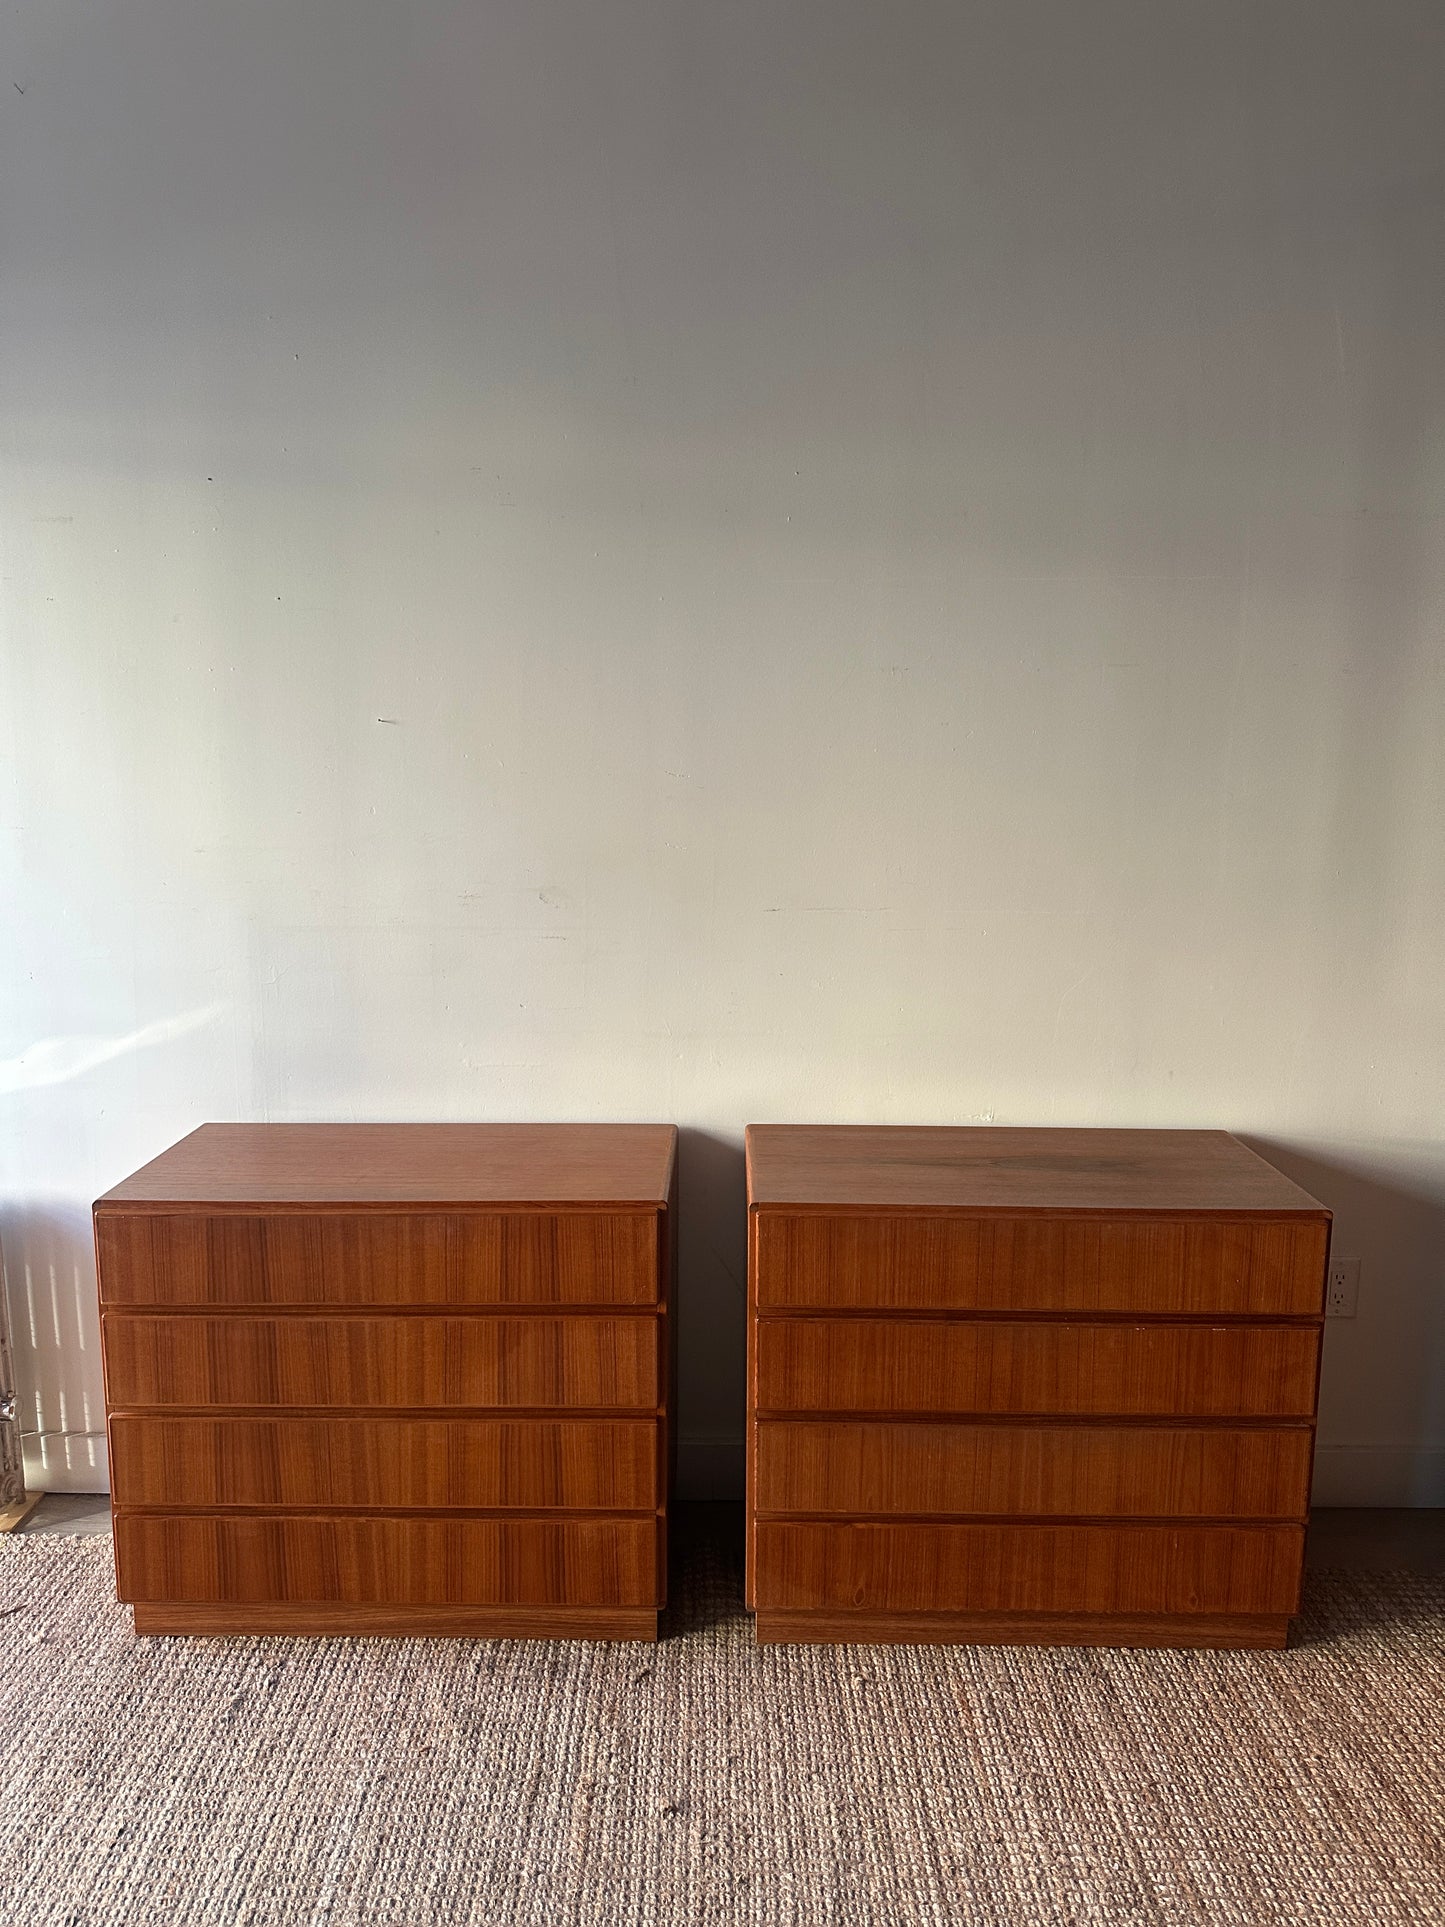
x=395, y=1783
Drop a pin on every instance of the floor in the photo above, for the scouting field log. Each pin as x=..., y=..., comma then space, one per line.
x=532, y=1783
x=1378, y=1539
x=80, y=1513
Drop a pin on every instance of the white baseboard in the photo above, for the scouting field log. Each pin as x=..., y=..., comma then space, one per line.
x=65, y=1461
x=1379, y=1475
x=710, y=1467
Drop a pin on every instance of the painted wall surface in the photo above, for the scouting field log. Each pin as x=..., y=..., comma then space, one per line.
x=749, y=561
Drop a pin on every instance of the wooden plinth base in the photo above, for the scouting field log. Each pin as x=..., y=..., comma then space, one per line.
x=393, y=1622
x=1246, y=1630
x=13, y=1516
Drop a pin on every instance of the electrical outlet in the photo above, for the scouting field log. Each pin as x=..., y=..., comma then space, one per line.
x=1342, y=1290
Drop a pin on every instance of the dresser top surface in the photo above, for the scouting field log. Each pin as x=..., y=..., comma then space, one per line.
x=411, y=1164
x=984, y=1168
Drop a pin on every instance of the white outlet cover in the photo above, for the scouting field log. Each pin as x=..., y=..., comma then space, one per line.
x=1342, y=1290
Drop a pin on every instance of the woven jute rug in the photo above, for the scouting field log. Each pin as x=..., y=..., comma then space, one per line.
x=422, y=1783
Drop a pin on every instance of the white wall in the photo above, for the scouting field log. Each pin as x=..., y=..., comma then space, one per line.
x=727, y=562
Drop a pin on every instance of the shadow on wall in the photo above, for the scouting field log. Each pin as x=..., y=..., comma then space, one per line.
x=55, y=1334
x=711, y=1299
x=1382, y=1388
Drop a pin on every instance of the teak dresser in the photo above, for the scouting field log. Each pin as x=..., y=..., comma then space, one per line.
x=406, y=1378
x=1028, y=1386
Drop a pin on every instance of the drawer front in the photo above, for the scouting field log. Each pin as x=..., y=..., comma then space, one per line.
x=1044, y=1471
x=408, y=1361
x=1028, y=1568
x=961, y=1368
x=378, y=1258
x=380, y=1463
x=387, y=1562
x=1205, y=1266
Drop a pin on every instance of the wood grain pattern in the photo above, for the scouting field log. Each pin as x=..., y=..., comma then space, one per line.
x=401, y=1622
x=393, y=1379
x=1042, y=1470
x=1028, y=1568
x=960, y=1368
x=243, y=1559
x=409, y=1164
x=412, y=1362
x=325, y=1461
x=1228, y=1266
x=1220, y=1631
x=1054, y=1386
x=379, y=1258
x=980, y=1168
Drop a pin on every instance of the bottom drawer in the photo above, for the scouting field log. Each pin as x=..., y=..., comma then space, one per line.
x=1027, y=1568
x=446, y=1561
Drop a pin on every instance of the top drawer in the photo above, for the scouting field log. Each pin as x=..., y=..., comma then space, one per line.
x=1213, y=1266
x=375, y=1258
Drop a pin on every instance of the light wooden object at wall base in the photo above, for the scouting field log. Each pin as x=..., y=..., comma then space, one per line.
x=15, y=1515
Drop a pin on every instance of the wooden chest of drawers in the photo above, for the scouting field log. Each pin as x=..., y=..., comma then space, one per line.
x=1043, y=1386
x=404, y=1378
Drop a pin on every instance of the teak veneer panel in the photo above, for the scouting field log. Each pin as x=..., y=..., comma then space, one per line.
x=1028, y=1568
x=327, y=1461
x=1005, y=1385
x=620, y=1166
x=393, y=1379
x=378, y=1258
x=400, y=1622
x=1226, y=1266
x=977, y=1167
x=1240, y=1631
x=239, y=1559
x=412, y=1361
x=856, y=1468
x=955, y=1367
